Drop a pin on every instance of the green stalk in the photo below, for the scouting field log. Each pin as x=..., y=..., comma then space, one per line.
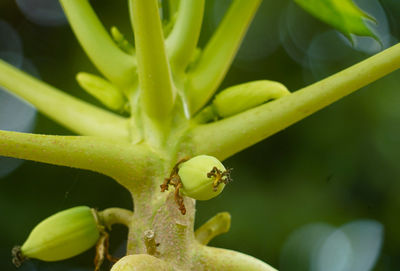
x=231, y=135
x=155, y=80
x=218, y=224
x=112, y=216
x=79, y=116
x=204, y=79
x=115, y=64
x=181, y=42
x=173, y=6
x=109, y=157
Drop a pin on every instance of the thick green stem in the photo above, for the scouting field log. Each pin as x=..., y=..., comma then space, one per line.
x=215, y=226
x=109, y=157
x=155, y=80
x=216, y=259
x=204, y=79
x=79, y=116
x=115, y=64
x=181, y=42
x=158, y=212
x=231, y=135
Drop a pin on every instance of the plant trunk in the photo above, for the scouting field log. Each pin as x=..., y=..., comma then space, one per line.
x=174, y=232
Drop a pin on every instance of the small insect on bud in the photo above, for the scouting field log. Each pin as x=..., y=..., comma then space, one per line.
x=60, y=236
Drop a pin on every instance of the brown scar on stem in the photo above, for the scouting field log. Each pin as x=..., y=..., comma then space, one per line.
x=175, y=181
x=150, y=242
x=220, y=177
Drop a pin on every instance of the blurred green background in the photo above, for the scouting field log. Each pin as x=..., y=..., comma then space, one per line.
x=338, y=166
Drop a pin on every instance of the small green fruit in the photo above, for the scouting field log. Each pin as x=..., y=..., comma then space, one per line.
x=62, y=235
x=245, y=96
x=239, y=98
x=203, y=177
x=140, y=262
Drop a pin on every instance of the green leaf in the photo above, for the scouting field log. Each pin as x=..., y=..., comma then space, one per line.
x=343, y=15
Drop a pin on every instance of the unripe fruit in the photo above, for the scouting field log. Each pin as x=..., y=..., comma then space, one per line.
x=203, y=177
x=62, y=235
x=239, y=98
x=242, y=97
x=140, y=262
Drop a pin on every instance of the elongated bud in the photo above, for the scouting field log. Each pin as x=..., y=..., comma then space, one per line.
x=242, y=97
x=140, y=262
x=102, y=90
x=203, y=177
x=61, y=236
x=121, y=41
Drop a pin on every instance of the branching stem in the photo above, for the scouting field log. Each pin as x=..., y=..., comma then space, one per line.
x=204, y=79
x=112, y=158
x=77, y=115
x=115, y=64
x=155, y=80
x=111, y=216
x=215, y=226
x=231, y=135
x=181, y=42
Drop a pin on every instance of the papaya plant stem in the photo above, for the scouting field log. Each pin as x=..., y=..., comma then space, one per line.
x=181, y=42
x=84, y=152
x=218, y=224
x=231, y=135
x=155, y=80
x=211, y=258
x=111, y=216
x=173, y=6
x=77, y=115
x=205, y=77
x=115, y=64
x=109, y=157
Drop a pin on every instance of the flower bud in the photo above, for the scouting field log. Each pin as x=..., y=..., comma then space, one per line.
x=203, y=177
x=239, y=98
x=140, y=262
x=121, y=41
x=102, y=90
x=62, y=235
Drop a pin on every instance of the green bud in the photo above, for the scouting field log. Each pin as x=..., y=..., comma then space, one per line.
x=203, y=177
x=239, y=98
x=140, y=262
x=121, y=41
x=62, y=235
x=242, y=97
x=102, y=90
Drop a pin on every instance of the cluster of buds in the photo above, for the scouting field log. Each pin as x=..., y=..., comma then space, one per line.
x=75, y=230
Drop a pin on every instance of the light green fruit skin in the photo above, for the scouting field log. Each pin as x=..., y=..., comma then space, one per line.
x=62, y=235
x=245, y=96
x=193, y=174
x=140, y=262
